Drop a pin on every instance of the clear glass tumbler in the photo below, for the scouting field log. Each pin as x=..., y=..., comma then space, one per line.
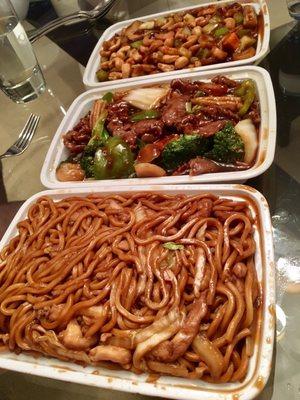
x=294, y=8
x=20, y=75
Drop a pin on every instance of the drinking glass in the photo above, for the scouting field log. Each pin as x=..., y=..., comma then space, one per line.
x=20, y=75
x=294, y=8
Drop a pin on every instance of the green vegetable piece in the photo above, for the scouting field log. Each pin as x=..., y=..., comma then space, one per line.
x=183, y=149
x=243, y=32
x=173, y=246
x=121, y=157
x=209, y=28
x=148, y=114
x=108, y=97
x=238, y=17
x=102, y=75
x=87, y=164
x=202, y=53
x=216, y=18
x=196, y=108
x=114, y=160
x=188, y=107
x=101, y=164
x=199, y=93
x=246, y=90
x=99, y=133
x=228, y=146
x=221, y=31
x=137, y=44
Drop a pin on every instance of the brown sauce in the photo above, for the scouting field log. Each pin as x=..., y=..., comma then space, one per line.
x=62, y=368
x=152, y=378
x=272, y=310
x=260, y=383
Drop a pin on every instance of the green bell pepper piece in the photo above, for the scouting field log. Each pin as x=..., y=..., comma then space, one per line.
x=246, y=90
x=108, y=97
x=137, y=44
x=122, y=158
x=114, y=160
x=221, y=31
x=238, y=17
x=101, y=164
x=148, y=114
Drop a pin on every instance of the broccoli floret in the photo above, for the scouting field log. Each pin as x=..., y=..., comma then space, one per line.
x=228, y=147
x=87, y=157
x=93, y=145
x=183, y=149
x=87, y=164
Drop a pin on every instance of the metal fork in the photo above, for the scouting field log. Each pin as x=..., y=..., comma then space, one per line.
x=97, y=12
x=24, y=138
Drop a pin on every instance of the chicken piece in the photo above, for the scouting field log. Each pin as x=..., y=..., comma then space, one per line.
x=250, y=17
x=170, y=350
x=73, y=338
x=115, y=354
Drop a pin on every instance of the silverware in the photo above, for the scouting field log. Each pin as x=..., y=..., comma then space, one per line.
x=96, y=13
x=24, y=138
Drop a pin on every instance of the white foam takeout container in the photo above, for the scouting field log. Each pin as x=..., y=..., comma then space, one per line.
x=89, y=77
x=171, y=387
x=79, y=108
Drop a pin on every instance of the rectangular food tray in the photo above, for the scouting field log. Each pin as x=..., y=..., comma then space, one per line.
x=171, y=387
x=82, y=104
x=89, y=77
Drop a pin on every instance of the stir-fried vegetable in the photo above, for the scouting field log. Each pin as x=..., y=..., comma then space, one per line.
x=102, y=75
x=221, y=31
x=148, y=114
x=246, y=90
x=243, y=32
x=99, y=133
x=145, y=98
x=183, y=149
x=108, y=97
x=228, y=146
x=246, y=41
x=188, y=107
x=238, y=17
x=137, y=44
x=209, y=28
x=114, y=160
x=246, y=130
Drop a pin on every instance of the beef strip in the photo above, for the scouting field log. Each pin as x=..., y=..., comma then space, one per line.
x=201, y=165
x=220, y=113
x=76, y=139
x=174, y=109
x=197, y=124
x=191, y=88
x=223, y=80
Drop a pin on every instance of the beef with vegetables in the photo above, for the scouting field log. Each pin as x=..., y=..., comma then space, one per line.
x=182, y=128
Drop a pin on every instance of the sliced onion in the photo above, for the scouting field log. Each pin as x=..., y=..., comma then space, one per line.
x=246, y=130
x=145, y=98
